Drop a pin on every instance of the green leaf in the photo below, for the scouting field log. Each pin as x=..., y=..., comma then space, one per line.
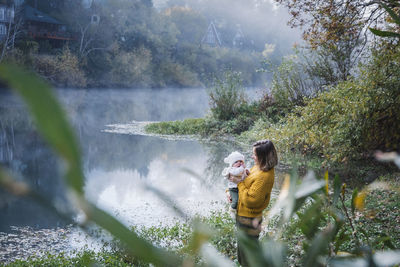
x=49, y=117
x=292, y=197
x=387, y=240
x=384, y=33
x=366, y=235
x=286, y=200
x=212, y=257
x=394, y=16
x=318, y=246
x=268, y=253
x=341, y=238
x=201, y=234
x=337, y=185
x=274, y=253
x=310, y=220
x=309, y=186
x=326, y=177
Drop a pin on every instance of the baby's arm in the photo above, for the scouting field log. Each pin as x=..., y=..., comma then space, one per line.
x=225, y=172
x=236, y=171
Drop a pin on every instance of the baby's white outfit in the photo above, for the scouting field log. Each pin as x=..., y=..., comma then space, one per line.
x=235, y=171
x=239, y=172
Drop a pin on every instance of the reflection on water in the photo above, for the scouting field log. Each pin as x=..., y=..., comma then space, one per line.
x=119, y=165
x=115, y=164
x=122, y=190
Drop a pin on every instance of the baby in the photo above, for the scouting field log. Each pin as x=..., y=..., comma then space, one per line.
x=236, y=168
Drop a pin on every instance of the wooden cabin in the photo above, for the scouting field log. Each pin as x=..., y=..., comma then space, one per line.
x=39, y=25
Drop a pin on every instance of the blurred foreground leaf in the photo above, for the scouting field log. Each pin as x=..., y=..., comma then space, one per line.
x=396, y=20
x=310, y=220
x=337, y=185
x=379, y=259
x=384, y=33
x=292, y=196
x=49, y=117
x=392, y=13
x=212, y=257
x=319, y=246
x=53, y=125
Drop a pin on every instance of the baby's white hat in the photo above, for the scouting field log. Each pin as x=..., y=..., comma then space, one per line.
x=233, y=157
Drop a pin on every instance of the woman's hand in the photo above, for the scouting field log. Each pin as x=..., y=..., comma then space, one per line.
x=234, y=179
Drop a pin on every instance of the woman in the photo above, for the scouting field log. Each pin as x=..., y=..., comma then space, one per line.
x=255, y=192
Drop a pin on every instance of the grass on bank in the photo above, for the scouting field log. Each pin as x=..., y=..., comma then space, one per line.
x=377, y=226
x=185, y=127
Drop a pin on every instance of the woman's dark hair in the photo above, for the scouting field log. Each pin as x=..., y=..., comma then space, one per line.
x=266, y=154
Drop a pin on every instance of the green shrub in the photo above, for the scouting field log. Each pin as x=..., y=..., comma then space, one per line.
x=226, y=96
x=271, y=109
x=63, y=69
x=256, y=132
x=289, y=86
x=351, y=120
x=246, y=115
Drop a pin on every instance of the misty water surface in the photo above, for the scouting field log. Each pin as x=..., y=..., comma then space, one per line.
x=118, y=167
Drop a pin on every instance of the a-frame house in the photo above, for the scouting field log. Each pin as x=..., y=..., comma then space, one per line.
x=211, y=37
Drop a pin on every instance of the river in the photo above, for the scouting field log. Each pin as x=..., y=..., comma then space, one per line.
x=120, y=163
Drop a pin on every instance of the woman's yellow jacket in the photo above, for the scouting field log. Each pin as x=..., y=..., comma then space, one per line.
x=255, y=192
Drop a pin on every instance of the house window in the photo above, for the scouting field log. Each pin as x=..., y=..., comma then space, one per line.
x=11, y=13
x=3, y=29
x=2, y=13
x=210, y=38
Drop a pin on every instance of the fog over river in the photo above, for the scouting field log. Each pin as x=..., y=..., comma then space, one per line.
x=120, y=161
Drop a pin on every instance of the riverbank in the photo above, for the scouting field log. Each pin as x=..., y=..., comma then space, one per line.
x=377, y=226
x=355, y=172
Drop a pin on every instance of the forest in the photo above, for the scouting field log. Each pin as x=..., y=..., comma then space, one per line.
x=334, y=97
x=134, y=44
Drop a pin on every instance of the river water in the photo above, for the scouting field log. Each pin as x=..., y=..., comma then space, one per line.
x=120, y=163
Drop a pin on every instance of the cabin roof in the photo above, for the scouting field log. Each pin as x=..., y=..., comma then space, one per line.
x=34, y=14
x=213, y=31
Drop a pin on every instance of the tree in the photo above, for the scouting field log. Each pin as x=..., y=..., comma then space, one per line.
x=13, y=30
x=337, y=29
x=258, y=20
x=90, y=24
x=190, y=23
